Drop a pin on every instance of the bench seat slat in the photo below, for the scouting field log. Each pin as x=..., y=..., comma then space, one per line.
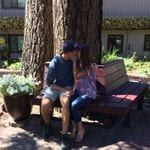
x=124, y=88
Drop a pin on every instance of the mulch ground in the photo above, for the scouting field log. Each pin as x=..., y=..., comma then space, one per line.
x=116, y=138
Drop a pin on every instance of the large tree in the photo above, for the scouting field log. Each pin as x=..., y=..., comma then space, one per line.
x=38, y=37
x=49, y=22
x=80, y=20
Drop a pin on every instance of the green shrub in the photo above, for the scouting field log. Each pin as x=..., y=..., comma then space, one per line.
x=128, y=63
x=130, y=23
x=11, y=64
x=109, y=56
x=15, y=66
x=142, y=67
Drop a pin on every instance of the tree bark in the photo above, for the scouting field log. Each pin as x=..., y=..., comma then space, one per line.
x=38, y=38
x=79, y=20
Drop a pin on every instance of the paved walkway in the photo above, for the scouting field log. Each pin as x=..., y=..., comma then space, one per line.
x=118, y=138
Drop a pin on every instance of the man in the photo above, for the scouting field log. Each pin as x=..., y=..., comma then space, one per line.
x=60, y=82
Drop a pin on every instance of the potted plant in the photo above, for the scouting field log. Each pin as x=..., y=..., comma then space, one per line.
x=17, y=92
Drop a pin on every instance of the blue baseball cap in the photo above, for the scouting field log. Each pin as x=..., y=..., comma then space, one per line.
x=71, y=45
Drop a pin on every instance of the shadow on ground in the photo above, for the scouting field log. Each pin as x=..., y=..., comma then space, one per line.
x=116, y=138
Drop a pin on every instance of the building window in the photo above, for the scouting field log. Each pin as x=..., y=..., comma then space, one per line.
x=3, y=42
x=13, y=3
x=15, y=43
x=147, y=42
x=115, y=42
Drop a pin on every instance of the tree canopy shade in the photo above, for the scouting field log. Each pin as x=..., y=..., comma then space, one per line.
x=48, y=23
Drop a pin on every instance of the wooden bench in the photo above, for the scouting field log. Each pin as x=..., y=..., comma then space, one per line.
x=116, y=94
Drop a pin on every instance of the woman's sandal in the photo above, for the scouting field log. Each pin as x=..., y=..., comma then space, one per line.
x=80, y=136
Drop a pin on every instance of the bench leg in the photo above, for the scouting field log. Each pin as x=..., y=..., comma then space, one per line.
x=127, y=120
x=140, y=103
x=108, y=122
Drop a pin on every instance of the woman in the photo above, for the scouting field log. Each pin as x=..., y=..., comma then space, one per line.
x=84, y=91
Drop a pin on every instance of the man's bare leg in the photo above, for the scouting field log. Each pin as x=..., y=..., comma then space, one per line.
x=65, y=143
x=46, y=110
x=64, y=100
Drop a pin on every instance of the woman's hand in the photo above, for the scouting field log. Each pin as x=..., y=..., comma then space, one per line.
x=68, y=92
x=94, y=67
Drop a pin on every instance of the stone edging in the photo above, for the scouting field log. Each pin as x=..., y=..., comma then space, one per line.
x=3, y=71
x=139, y=78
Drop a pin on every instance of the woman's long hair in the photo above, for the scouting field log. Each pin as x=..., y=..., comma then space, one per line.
x=84, y=58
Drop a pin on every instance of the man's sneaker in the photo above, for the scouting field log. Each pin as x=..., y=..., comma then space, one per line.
x=65, y=142
x=46, y=131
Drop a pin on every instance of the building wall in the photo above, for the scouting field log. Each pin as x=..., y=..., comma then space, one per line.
x=126, y=8
x=10, y=12
x=133, y=41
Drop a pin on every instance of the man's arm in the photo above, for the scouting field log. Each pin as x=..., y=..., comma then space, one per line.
x=58, y=88
x=51, y=77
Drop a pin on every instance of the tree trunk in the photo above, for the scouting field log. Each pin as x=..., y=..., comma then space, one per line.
x=38, y=38
x=79, y=20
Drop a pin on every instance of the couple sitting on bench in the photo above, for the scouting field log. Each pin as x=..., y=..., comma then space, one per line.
x=72, y=80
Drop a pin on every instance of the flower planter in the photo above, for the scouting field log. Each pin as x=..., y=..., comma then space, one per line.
x=18, y=106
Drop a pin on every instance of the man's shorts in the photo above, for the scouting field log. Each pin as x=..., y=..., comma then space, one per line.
x=53, y=94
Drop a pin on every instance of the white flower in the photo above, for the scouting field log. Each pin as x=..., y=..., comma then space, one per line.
x=10, y=90
x=15, y=84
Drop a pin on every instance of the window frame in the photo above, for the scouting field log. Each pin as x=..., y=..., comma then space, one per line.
x=144, y=48
x=3, y=7
x=9, y=43
x=122, y=39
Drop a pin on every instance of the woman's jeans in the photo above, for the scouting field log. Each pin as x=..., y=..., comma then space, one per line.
x=76, y=102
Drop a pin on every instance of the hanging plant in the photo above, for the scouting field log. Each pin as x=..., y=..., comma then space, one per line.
x=12, y=23
x=132, y=23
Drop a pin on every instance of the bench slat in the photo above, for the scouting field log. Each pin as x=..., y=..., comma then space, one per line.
x=110, y=69
x=117, y=83
x=125, y=88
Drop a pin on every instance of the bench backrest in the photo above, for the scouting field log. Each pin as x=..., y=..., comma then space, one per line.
x=110, y=76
